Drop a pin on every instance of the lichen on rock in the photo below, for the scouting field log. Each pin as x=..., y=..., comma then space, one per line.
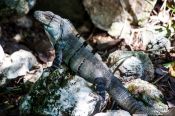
x=148, y=94
x=59, y=93
x=129, y=65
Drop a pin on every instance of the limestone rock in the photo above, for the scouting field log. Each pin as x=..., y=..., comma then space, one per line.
x=105, y=12
x=114, y=113
x=120, y=29
x=59, y=93
x=150, y=39
x=2, y=55
x=18, y=64
x=128, y=65
x=147, y=92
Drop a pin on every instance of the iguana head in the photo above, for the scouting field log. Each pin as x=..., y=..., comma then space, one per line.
x=55, y=26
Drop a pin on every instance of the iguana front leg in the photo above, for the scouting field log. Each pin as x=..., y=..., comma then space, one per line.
x=57, y=60
x=58, y=57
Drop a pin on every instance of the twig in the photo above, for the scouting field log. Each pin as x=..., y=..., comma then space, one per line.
x=159, y=79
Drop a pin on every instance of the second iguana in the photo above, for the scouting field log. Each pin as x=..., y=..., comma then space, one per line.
x=78, y=55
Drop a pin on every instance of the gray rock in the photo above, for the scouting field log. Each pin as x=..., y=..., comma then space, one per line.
x=120, y=29
x=19, y=7
x=150, y=38
x=147, y=92
x=18, y=64
x=105, y=12
x=114, y=113
x=128, y=65
x=60, y=94
x=2, y=55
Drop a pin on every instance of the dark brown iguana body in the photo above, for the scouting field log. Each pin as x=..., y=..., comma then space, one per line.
x=78, y=55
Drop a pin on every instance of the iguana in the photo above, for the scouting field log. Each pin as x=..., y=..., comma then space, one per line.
x=79, y=56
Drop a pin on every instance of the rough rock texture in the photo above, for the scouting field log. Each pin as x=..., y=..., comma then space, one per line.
x=114, y=113
x=131, y=65
x=60, y=94
x=18, y=64
x=147, y=92
x=104, y=12
x=2, y=55
x=120, y=29
x=150, y=38
x=19, y=7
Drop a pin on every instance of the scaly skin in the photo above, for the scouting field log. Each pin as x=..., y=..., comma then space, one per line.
x=77, y=54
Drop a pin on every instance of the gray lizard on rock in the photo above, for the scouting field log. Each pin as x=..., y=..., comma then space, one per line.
x=78, y=55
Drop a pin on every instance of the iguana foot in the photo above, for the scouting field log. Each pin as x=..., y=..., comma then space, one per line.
x=100, y=87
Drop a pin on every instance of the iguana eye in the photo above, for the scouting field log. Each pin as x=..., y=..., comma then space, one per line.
x=49, y=17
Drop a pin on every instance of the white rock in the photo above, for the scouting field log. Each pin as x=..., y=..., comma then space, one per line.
x=159, y=43
x=84, y=100
x=146, y=87
x=104, y=13
x=150, y=39
x=123, y=32
x=75, y=98
x=129, y=65
x=132, y=66
x=2, y=55
x=149, y=92
x=18, y=64
x=114, y=113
